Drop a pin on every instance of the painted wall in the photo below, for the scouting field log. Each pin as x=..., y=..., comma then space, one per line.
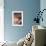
x=43, y=6
x=29, y=7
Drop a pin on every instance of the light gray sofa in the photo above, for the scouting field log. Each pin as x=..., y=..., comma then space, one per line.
x=39, y=38
x=39, y=33
x=9, y=43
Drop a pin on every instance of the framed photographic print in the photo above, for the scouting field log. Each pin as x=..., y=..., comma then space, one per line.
x=17, y=18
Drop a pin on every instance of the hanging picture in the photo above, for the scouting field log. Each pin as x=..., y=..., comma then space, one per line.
x=17, y=18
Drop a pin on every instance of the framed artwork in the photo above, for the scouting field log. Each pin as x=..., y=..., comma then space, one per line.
x=17, y=18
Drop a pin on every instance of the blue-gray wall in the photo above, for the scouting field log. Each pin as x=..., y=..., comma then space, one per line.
x=29, y=7
x=43, y=6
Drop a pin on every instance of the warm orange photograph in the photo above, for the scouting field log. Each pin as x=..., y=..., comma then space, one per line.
x=17, y=18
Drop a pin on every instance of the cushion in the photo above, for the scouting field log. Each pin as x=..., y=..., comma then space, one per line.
x=20, y=42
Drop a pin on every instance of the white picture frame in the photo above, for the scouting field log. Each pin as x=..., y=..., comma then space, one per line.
x=17, y=18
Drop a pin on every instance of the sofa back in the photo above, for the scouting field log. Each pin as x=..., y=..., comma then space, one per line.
x=39, y=37
x=45, y=38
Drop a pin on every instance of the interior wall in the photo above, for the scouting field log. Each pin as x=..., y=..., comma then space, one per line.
x=43, y=6
x=29, y=8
